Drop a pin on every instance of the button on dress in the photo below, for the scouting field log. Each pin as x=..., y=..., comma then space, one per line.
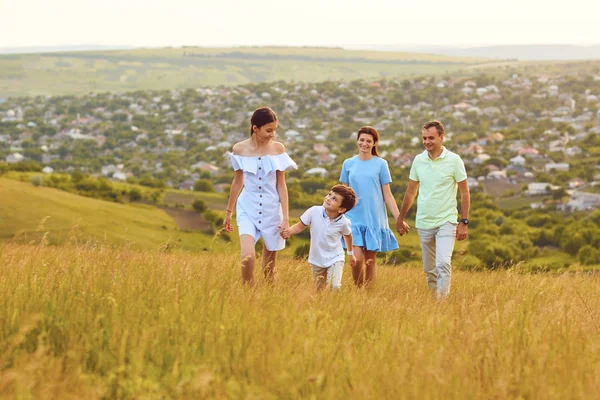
x=258, y=209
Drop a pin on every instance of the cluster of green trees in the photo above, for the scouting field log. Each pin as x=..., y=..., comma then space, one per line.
x=96, y=187
x=21, y=166
x=503, y=238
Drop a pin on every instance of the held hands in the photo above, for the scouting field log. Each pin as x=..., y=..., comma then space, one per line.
x=285, y=224
x=284, y=229
x=285, y=233
x=402, y=227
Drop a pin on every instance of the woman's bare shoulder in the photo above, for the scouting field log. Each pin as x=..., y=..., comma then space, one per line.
x=278, y=148
x=240, y=148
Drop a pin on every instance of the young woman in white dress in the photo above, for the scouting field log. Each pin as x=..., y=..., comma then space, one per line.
x=261, y=194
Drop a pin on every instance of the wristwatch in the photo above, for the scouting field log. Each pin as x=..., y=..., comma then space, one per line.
x=465, y=221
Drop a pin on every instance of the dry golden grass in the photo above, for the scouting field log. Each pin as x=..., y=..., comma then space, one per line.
x=97, y=322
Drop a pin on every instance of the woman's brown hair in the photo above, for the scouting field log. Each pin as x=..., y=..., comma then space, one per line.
x=373, y=132
x=261, y=117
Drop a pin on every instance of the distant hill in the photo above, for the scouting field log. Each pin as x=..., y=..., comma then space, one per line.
x=51, y=73
x=504, y=52
x=55, y=49
x=531, y=52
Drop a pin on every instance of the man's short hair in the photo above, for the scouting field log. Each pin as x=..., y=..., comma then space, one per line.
x=348, y=196
x=439, y=127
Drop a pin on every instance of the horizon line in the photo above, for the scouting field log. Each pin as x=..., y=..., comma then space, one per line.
x=455, y=45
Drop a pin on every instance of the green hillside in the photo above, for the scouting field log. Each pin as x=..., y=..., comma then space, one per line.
x=171, y=68
x=28, y=212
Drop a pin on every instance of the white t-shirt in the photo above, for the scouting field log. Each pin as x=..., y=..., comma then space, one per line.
x=325, y=236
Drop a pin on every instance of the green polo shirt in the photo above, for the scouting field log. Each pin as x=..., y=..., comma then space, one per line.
x=438, y=180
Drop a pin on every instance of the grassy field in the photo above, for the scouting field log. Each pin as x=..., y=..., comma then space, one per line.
x=190, y=67
x=30, y=213
x=98, y=322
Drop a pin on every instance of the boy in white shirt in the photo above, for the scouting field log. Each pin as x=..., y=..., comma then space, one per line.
x=328, y=226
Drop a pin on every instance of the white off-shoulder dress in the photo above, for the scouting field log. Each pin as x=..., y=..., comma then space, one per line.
x=258, y=210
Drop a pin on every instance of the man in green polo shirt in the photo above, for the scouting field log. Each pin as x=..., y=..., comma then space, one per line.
x=436, y=174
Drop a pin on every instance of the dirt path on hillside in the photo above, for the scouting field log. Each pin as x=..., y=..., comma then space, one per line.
x=187, y=220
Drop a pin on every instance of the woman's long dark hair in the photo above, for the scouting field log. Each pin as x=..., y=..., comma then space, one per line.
x=373, y=132
x=261, y=117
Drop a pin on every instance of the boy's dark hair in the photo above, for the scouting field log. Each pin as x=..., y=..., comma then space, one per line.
x=348, y=195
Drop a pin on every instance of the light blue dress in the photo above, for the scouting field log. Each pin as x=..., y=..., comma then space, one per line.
x=258, y=209
x=370, y=225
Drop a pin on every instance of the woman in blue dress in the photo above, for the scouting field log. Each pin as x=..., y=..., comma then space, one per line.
x=262, y=207
x=369, y=176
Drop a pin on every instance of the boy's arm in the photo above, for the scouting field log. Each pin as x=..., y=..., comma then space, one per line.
x=287, y=231
x=297, y=228
x=351, y=258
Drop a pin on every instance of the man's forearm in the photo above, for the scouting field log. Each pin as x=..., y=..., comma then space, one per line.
x=406, y=204
x=465, y=205
x=465, y=200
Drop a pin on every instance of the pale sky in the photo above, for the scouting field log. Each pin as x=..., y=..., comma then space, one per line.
x=154, y=23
